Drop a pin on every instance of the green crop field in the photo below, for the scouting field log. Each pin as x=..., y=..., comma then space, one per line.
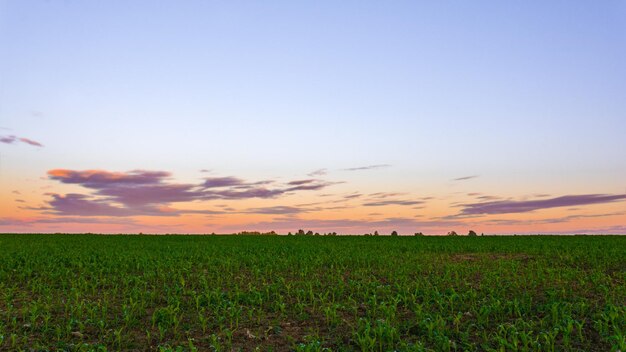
x=310, y=293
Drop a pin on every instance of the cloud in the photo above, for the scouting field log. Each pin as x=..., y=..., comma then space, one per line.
x=65, y=220
x=141, y=192
x=617, y=230
x=31, y=142
x=509, y=206
x=392, y=202
x=368, y=167
x=133, y=188
x=152, y=193
x=234, y=194
x=465, y=178
x=318, y=172
x=100, y=179
x=577, y=216
x=8, y=139
x=557, y=220
x=488, y=197
x=217, y=182
x=301, y=182
x=382, y=195
x=81, y=205
x=277, y=210
x=13, y=139
x=309, y=185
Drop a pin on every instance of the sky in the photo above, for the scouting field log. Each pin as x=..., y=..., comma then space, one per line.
x=354, y=116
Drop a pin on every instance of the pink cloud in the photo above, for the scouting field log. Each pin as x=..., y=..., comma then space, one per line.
x=12, y=139
x=31, y=142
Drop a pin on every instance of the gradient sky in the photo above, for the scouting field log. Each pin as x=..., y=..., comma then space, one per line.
x=351, y=116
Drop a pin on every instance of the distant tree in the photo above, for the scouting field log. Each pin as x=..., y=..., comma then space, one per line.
x=472, y=233
x=394, y=233
x=376, y=233
x=317, y=234
x=452, y=233
x=309, y=233
x=301, y=232
x=482, y=234
x=289, y=234
x=334, y=233
x=257, y=233
x=418, y=234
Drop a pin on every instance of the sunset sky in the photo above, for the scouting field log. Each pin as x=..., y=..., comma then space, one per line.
x=348, y=116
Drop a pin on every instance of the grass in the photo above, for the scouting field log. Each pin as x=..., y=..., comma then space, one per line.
x=309, y=293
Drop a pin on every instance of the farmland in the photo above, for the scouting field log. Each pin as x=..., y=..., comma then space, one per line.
x=310, y=293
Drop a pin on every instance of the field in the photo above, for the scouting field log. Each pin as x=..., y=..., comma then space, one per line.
x=310, y=293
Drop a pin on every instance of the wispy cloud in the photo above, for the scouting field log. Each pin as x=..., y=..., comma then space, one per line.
x=556, y=220
x=8, y=139
x=301, y=182
x=11, y=139
x=577, y=216
x=31, y=142
x=310, y=185
x=368, y=167
x=382, y=195
x=392, y=202
x=318, y=172
x=488, y=197
x=65, y=220
x=277, y=210
x=465, y=178
x=511, y=206
x=217, y=182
